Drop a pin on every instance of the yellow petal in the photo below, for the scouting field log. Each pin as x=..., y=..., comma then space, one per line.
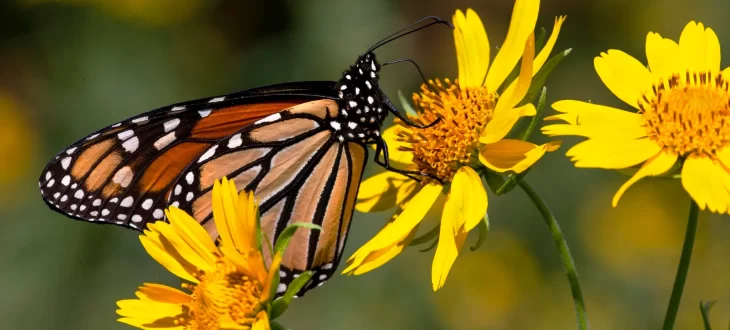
x=724, y=156
x=468, y=198
x=244, y=228
x=451, y=239
x=192, y=232
x=661, y=55
x=412, y=214
x=542, y=57
x=511, y=97
x=726, y=73
x=160, y=249
x=472, y=48
x=656, y=165
x=595, y=121
x=383, y=191
x=395, y=145
x=268, y=278
x=612, y=154
x=626, y=77
x=522, y=24
x=707, y=182
x=513, y=155
x=699, y=48
x=198, y=257
x=164, y=293
x=365, y=260
x=225, y=199
x=261, y=322
x=503, y=121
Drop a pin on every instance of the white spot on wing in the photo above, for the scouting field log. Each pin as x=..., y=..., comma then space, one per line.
x=96, y=202
x=178, y=108
x=368, y=84
x=140, y=119
x=217, y=99
x=104, y=212
x=357, y=90
x=189, y=178
x=126, y=134
x=127, y=202
x=351, y=125
x=91, y=137
x=208, y=153
x=64, y=198
x=147, y=203
x=327, y=266
x=124, y=176
x=281, y=288
x=269, y=118
x=370, y=99
x=131, y=145
x=70, y=150
x=79, y=194
x=178, y=190
x=204, y=113
x=353, y=104
x=122, y=216
x=136, y=218
x=50, y=183
x=343, y=87
x=171, y=124
x=157, y=214
x=66, y=180
x=65, y=162
x=235, y=141
x=335, y=125
x=164, y=141
x=189, y=196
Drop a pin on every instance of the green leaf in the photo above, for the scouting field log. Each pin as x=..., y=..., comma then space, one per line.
x=494, y=180
x=406, y=104
x=280, y=305
x=426, y=237
x=536, y=118
x=430, y=247
x=705, y=310
x=540, y=40
x=538, y=80
x=288, y=233
x=483, y=229
x=512, y=180
x=277, y=326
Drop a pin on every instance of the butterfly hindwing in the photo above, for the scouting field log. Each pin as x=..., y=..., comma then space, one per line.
x=299, y=171
x=123, y=174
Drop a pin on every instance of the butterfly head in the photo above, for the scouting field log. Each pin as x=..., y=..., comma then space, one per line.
x=362, y=108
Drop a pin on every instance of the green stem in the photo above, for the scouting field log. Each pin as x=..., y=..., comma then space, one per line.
x=567, y=259
x=683, y=268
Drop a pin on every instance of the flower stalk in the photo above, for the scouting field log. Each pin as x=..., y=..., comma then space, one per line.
x=683, y=268
x=564, y=251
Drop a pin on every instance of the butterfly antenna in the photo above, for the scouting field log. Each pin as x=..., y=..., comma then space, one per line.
x=407, y=30
x=417, y=68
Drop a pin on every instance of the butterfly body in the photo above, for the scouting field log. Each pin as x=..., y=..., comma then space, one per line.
x=301, y=147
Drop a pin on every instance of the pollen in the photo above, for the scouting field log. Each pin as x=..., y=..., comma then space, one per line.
x=462, y=114
x=223, y=293
x=689, y=113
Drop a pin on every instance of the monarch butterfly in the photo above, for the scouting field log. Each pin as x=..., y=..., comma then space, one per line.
x=300, y=146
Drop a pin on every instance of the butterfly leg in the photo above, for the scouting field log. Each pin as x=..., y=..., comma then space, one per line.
x=392, y=109
x=382, y=148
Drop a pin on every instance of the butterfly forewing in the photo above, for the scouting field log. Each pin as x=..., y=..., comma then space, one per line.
x=123, y=174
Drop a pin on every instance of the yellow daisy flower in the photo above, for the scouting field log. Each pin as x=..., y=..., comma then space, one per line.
x=681, y=117
x=229, y=286
x=474, y=120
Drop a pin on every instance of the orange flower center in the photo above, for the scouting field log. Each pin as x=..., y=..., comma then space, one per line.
x=453, y=142
x=689, y=113
x=224, y=294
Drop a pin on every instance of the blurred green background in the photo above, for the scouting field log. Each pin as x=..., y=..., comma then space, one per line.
x=69, y=67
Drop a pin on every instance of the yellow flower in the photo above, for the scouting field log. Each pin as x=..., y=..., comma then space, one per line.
x=683, y=115
x=229, y=285
x=474, y=119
